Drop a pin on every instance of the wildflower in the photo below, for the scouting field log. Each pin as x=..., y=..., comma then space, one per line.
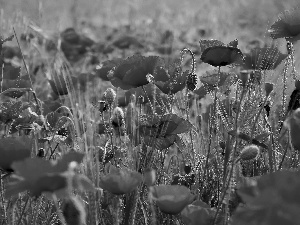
x=249, y=152
x=268, y=88
x=287, y=25
x=109, y=96
x=120, y=181
x=171, y=199
x=132, y=72
x=14, y=149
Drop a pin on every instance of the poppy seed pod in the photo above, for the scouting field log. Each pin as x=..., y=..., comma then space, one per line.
x=268, y=88
x=249, y=152
x=149, y=177
x=110, y=96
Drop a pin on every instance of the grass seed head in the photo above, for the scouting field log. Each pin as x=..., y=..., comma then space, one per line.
x=110, y=96
x=118, y=117
x=249, y=152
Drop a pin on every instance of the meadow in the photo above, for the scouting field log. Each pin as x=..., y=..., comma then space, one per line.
x=149, y=112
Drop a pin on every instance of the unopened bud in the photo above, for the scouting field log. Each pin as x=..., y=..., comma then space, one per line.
x=149, y=177
x=249, y=152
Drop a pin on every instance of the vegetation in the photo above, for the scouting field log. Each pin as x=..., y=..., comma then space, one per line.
x=136, y=123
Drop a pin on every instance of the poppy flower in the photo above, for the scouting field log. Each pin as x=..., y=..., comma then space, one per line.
x=198, y=213
x=13, y=149
x=133, y=71
x=263, y=59
x=120, y=180
x=177, y=79
x=38, y=176
x=218, y=54
x=287, y=25
x=163, y=130
x=171, y=199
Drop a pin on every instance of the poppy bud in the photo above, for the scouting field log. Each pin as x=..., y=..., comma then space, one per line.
x=268, y=88
x=102, y=106
x=41, y=153
x=187, y=168
x=244, y=76
x=110, y=96
x=249, y=152
x=297, y=85
x=149, y=177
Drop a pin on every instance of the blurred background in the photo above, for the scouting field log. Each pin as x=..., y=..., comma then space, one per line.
x=221, y=19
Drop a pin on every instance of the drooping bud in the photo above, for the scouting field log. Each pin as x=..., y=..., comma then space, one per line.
x=268, y=88
x=149, y=177
x=249, y=152
x=109, y=96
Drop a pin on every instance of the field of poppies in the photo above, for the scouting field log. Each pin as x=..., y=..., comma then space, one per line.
x=131, y=112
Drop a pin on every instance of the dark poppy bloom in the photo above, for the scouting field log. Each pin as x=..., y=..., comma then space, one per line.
x=132, y=72
x=14, y=149
x=177, y=79
x=218, y=54
x=120, y=181
x=287, y=25
x=171, y=199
